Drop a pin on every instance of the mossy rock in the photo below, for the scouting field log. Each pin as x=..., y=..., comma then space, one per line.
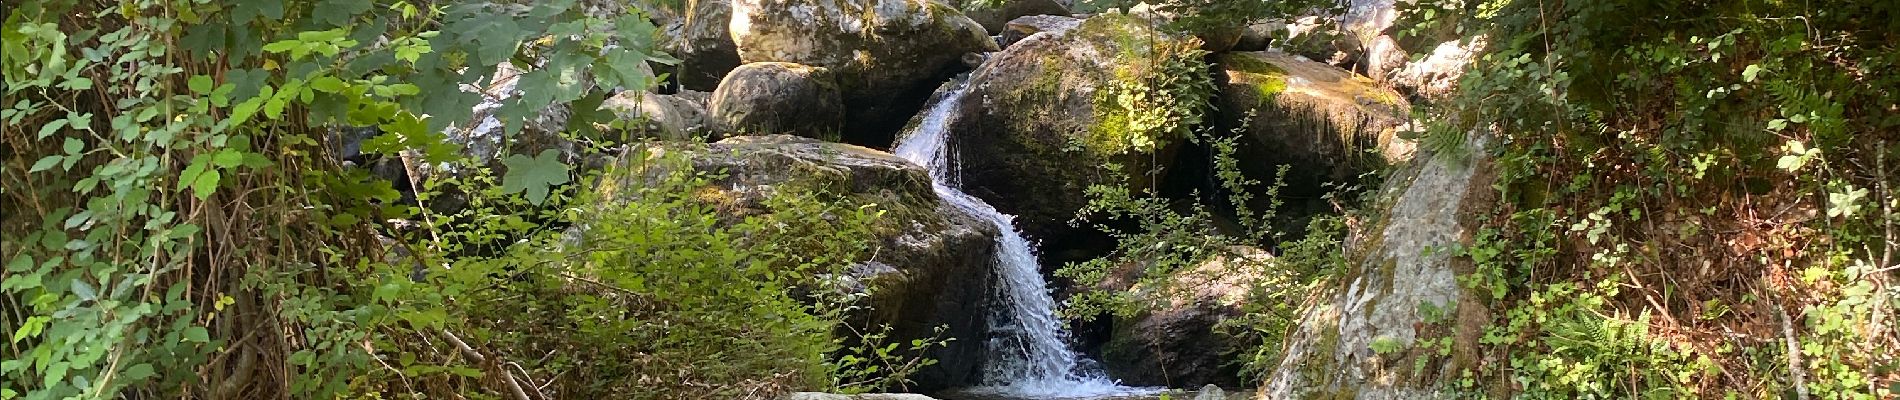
x=886, y=55
x=994, y=17
x=775, y=97
x=1176, y=342
x=1327, y=123
x=1397, y=264
x=1041, y=119
x=932, y=266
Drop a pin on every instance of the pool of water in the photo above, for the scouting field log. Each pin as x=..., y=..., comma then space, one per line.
x=1130, y=394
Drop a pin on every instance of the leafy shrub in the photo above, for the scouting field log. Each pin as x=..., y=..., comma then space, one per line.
x=177, y=223
x=1713, y=157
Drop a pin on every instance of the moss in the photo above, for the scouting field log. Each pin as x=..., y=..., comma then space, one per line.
x=1249, y=64
x=1268, y=80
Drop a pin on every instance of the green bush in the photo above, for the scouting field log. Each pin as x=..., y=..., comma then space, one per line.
x=1668, y=145
x=176, y=222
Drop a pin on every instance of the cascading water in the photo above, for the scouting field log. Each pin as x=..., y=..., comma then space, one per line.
x=1028, y=358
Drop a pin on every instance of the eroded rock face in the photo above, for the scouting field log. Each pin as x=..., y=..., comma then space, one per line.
x=1398, y=291
x=1320, y=119
x=884, y=53
x=699, y=36
x=775, y=97
x=1177, y=344
x=933, y=266
x=1040, y=120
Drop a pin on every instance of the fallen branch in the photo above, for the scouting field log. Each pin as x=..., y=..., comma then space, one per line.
x=508, y=377
x=1794, y=355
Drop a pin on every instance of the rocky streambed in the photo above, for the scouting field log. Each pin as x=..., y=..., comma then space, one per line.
x=806, y=95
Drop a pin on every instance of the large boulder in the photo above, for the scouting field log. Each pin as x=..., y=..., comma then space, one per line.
x=993, y=17
x=1437, y=73
x=775, y=97
x=1176, y=343
x=1371, y=40
x=1038, y=122
x=1363, y=341
x=1327, y=123
x=659, y=116
x=1021, y=27
x=1218, y=32
x=887, y=55
x=699, y=36
x=932, y=267
x=1366, y=23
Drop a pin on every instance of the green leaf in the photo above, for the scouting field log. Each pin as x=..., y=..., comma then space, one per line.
x=533, y=176
x=327, y=84
x=205, y=184
x=282, y=45
x=138, y=372
x=196, y=334
x=1845, y=204
x=84, y=290
x=494, y=37
x=46, y=163
x=50, y=127
x=1749, y=74
x=200, y=84
x=191, y=173
x=77, y=83
x=228, y=158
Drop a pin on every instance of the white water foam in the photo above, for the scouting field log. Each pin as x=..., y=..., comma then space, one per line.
x=1027, y=354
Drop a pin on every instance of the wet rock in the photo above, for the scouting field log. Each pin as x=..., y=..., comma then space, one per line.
x=866, y=396
x=1177, y=344
x=1210, y=392
x=1398, y=290
x=886, y=55
x=1041, y=119
x=775, y=97
x=1327, y=123
x=933, y=264
x=993, y=18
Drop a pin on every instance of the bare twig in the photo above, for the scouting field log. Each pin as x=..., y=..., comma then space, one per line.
x=1795, y=371
x=514, y=386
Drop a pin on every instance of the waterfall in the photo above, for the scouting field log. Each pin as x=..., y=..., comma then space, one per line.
x=1027, y=356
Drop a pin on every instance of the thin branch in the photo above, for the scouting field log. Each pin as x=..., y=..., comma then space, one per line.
x=514, y=386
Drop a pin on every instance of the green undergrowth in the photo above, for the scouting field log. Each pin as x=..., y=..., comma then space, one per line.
x=1696, y=197
x=179, y=221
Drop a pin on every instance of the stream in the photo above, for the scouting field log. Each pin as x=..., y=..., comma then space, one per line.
x=1028, y=354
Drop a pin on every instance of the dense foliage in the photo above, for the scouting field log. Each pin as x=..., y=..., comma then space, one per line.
x=1698, y=196
x=178, y=220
